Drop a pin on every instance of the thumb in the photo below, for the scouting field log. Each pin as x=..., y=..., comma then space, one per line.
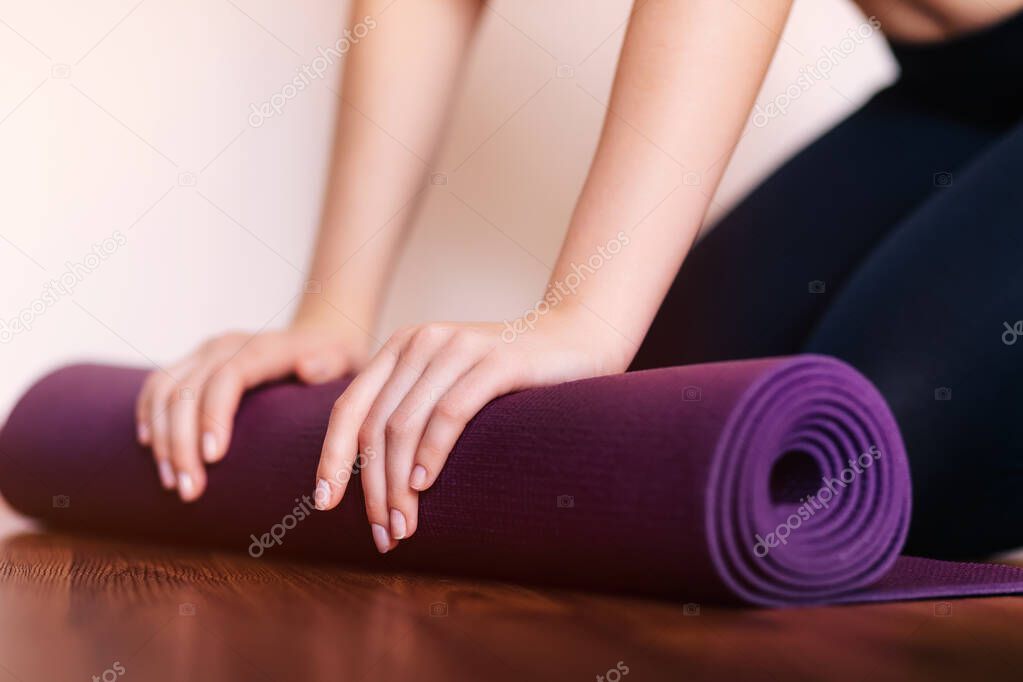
x=322, y=365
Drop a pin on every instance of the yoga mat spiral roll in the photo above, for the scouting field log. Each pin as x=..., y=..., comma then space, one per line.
x=772, y=482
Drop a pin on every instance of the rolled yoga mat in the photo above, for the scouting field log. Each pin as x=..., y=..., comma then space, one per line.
x=772, y=482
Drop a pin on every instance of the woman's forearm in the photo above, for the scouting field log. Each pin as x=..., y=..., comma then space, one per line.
x=687, y=79
x=396, y=91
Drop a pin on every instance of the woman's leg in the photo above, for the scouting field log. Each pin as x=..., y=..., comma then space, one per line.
x=924, y=317
x=758, y=282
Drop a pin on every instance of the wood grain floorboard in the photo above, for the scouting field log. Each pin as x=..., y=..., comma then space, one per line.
x=80, y=608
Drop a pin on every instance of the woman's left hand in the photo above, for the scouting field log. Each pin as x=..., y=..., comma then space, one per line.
x=401, y=416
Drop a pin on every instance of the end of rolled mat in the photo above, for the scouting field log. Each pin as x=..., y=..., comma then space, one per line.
x=20, y=437
x=810, y=492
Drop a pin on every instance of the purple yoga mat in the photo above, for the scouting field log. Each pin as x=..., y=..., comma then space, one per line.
x=704, y=483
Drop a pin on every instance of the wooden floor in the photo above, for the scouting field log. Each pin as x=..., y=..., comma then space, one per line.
x=80, y=608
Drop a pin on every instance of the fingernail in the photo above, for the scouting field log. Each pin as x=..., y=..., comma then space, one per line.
x=418, y=478
x=381, y=538
x=321, y=496
x=142, y=430
x=185, y=486
x=166, y=474
x=209, y=446
x=397, y=524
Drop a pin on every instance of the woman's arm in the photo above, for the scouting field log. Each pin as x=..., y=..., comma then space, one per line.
x=398, y=83
x=687, y=78
x=397, y=86
x=686, y=81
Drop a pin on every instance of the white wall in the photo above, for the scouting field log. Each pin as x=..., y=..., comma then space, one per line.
x=110, y=109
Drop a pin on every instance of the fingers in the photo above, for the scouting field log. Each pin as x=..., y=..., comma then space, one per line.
x=219, y=403
x=374, y=490
x=387, y=434
x=143, y=406
x=260, y=359
x=151, y=421
x=183, y=437
x=341, y=444
x=203, y=409
x=163, y=387
x=481, y=384
x=407, y=423
x=385, y=413
x=358, y=427
x=189, y=422
x=388, y=414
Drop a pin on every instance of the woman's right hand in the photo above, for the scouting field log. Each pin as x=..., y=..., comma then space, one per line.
x=186, y=414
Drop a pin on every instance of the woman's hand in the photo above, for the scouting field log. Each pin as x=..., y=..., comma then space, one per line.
x=402, y=415
x=186, y=413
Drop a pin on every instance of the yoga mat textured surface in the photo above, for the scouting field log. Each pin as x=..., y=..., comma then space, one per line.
x=659, y=483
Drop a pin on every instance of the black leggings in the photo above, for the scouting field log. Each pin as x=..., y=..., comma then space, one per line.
x=894, y=242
